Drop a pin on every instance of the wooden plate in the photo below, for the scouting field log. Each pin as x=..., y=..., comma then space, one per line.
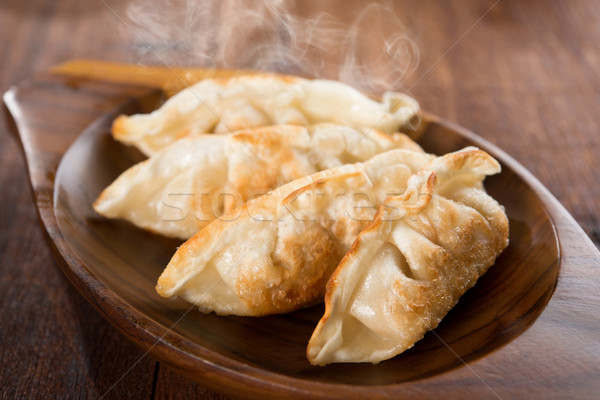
x=509, y=335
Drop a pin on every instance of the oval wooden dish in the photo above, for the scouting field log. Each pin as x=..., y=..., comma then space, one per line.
x=525, y=329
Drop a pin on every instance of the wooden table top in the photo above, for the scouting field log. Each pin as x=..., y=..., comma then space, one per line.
x=523, y=75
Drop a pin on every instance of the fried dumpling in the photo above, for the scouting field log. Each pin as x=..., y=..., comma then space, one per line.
x=247, y=101
x=189, y=183
x=276, y=252
x=403, y=274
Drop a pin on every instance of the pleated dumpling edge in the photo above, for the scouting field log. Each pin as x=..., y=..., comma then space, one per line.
x=406, y=270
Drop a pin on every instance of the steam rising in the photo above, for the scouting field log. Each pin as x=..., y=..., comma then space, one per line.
x=371, y=51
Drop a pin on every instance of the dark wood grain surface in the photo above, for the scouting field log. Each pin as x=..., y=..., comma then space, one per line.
x=526, y=77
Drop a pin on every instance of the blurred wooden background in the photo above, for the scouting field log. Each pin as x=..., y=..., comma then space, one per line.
x=523, y=74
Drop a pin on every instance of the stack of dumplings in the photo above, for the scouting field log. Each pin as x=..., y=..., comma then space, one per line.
x=312, y=194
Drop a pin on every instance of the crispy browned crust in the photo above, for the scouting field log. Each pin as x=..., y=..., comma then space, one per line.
x=305, y=262
x=426, y=192
x=212, y=231
x=461, y=257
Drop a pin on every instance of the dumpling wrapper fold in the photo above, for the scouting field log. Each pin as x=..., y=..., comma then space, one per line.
x=248, y=101
x=186, y=185
x=405, y=271
x=276, y=252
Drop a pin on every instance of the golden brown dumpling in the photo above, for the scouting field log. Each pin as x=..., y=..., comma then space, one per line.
x=184, y=186
x=276, y=252
x=248, y=101
x=405, y=271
